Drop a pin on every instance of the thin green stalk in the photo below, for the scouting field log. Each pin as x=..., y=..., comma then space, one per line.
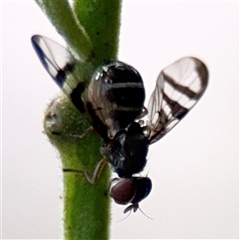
x=101, y=19
x=91, y=30
x=61, y=15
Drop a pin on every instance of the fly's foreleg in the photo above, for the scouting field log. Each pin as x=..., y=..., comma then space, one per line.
x=96, y=174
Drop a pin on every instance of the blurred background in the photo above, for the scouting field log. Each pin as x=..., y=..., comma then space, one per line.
x=194, y=168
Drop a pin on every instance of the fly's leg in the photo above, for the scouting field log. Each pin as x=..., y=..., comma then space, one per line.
x=84, y=134
x=97, y=172
x=72, y=170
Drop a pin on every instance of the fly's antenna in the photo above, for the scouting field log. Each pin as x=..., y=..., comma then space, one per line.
x=134, y=208
x=125, y=217
x=144, y=213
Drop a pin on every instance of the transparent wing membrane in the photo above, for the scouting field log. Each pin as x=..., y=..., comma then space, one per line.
x=179, y=87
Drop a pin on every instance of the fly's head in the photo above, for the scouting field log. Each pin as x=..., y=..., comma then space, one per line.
x=130, y=190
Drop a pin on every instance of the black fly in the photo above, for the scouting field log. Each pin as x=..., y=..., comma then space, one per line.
x=114, y=103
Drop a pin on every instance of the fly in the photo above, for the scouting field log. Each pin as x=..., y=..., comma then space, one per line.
x=114, y=103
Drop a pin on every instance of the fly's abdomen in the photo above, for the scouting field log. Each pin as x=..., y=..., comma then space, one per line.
x=127, y=103
x=117, y=91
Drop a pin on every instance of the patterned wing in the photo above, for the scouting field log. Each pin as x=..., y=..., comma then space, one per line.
x=60, y=64
x=179, y=87
x=67, y=72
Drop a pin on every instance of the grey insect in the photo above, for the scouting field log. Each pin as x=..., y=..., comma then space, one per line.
x=114, y=104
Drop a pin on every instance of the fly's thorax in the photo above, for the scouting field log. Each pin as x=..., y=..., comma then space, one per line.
x=127, y=152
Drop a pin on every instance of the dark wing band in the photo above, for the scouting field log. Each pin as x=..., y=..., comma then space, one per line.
x=179, y=87
x=60, y=64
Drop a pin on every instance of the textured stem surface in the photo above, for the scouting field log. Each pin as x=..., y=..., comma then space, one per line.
x=91, y=29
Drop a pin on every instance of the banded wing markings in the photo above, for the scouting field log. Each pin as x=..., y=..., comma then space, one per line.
x=61, y=66
x=179, y=87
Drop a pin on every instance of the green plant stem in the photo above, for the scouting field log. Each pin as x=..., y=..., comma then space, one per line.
x=61, y=15
x=86, y=206
x=101, y=20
